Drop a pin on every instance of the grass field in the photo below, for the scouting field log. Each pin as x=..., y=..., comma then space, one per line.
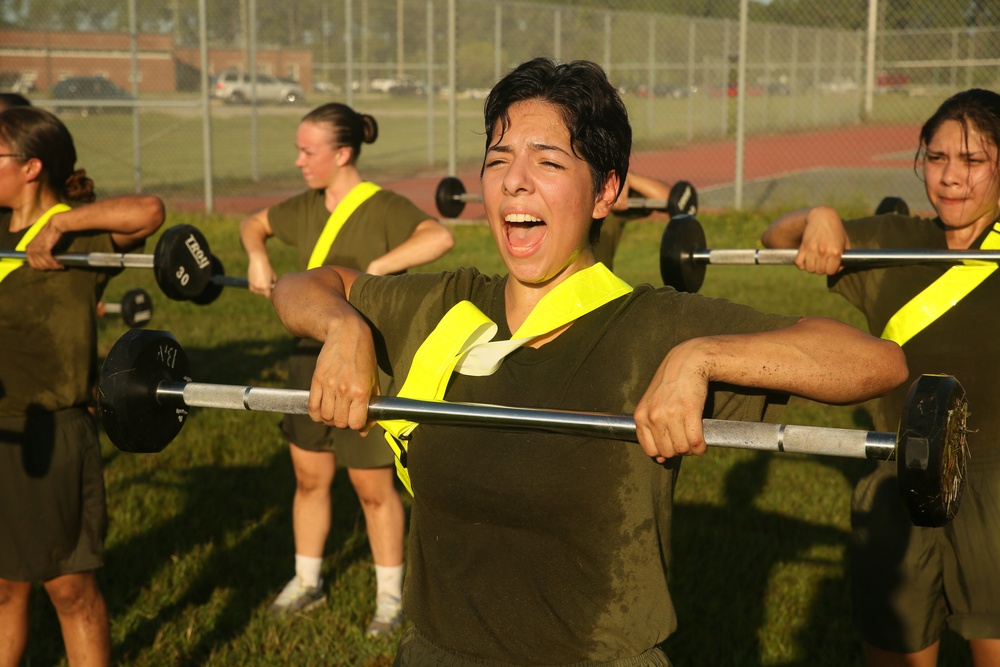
x=200, y=536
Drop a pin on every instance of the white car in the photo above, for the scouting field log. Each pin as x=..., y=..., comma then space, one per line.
x=237, y=88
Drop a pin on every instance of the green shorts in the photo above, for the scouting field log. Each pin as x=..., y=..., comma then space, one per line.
x=53, y=517
x=909, y=582
x=350, y=449
x=415, y=650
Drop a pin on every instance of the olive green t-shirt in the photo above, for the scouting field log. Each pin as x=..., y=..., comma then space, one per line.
x=958, y=343
x=48, y=332
x=535, y=548
x=379, y=224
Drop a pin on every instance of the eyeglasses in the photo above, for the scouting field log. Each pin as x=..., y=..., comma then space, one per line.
x=20, y=155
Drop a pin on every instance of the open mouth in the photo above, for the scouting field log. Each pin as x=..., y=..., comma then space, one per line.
x=524, y=232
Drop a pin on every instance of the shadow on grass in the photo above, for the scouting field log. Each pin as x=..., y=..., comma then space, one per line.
x=723, y=561
x=229, y=529
x=723, y=572
x=240, y=519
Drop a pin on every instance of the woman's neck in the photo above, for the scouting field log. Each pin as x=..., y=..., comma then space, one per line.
x=343, y=182
x=32, y=206
x=962, y=238
x=521, y=298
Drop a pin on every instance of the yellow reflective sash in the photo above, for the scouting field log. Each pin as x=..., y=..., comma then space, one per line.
x=941, y=295
x=358, y=195
x=462, y=342
x=8, y=264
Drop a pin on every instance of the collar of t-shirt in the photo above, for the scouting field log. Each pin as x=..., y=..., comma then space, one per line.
x=8, y=264
x=463, y=342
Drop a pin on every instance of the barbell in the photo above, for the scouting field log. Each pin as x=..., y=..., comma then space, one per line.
x=451, y=198
x=180, y=262
x=684, y=255
x=135, y=308
x=217, y=281
x=145, y=391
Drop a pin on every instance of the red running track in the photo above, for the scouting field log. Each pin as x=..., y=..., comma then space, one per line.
x=704, y=165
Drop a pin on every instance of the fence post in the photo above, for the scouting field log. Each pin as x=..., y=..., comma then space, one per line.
x=497, y=40
x=741, y=106
x=452, y=93
x=838, y=57
x=607, y=43
x=365, y=74
x=768, y=81
x=349, y=51
x=430, y=83
x=953, y=72
x=206, y=111
x=136, y=131
x=817, y=64
x=794, y=76
x=252, y=57
x=651, y=77
x=870, y=59
x=557, y=34
x=725, y=78
x=971, y=56
x=690, y=79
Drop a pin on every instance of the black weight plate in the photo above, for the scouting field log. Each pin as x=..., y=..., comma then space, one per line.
x=212, y=290
x=181, y=262
x=895, y=205
x=447, y=197
x=930, y=453
x=682, y=235
x=137, y=307
x=133, y=418
x=683, y=199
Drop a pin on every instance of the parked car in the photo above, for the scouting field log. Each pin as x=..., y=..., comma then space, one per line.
x=17, y=82
x=381, y=85
x=891, y=82
x=839, y=85
x=663, y=89
x=402, y=86
x=237, y=88
x=327, y=87
x=90, y=88
x=408, y=86
x=732, y=89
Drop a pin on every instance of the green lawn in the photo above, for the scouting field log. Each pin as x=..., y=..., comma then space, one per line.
x=200, y=537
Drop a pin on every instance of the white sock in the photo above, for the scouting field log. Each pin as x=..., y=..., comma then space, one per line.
x=389, y=579
x=307, y=569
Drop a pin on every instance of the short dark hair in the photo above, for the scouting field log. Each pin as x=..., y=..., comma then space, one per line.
x=976, y=106
x=591, y=107
x=347, y=126
x=40, y=134
x=8, y=100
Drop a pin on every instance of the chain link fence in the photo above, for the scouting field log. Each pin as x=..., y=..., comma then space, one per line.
x=197, y=101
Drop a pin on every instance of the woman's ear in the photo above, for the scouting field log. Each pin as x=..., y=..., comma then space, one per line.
x=344, y=156
x=607, y=196
x=33, y=169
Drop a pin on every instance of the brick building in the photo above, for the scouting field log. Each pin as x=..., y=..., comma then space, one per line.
x=45, y=57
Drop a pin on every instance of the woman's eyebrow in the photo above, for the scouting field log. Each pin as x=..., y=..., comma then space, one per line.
x=539, y=146
x=535, y=146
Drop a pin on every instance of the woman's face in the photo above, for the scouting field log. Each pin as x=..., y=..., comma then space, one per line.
x=539, y=196
x=12, y=176
x=317, y=159
x=961, y=177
